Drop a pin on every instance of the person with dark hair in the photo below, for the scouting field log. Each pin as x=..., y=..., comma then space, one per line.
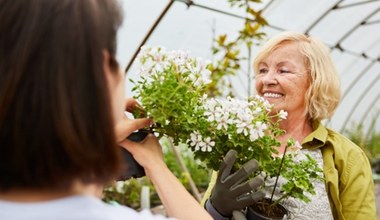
x=62, y=116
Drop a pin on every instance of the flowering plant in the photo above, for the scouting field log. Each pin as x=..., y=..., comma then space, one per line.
x=172, y=91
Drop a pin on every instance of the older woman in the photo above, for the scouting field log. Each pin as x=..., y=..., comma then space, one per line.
x=295, y=73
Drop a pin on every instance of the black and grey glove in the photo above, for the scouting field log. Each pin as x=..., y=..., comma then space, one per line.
x=230, y=192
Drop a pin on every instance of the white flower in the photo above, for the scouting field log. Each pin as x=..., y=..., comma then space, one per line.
x=196, y=140
x=244, y=127
x=199, y=74
x=283, y=114
x=253, y=135
x=244, y=123
x=210, y=103
x=261, y=127
x=179, y=57
x=223, y=122
x=154, y=61
x=208, y=144
x=235, y=105
x=214, y=110
x=257, y=111
x=264, y=102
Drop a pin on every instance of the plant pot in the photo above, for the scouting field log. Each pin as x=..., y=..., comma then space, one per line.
x=262, y=211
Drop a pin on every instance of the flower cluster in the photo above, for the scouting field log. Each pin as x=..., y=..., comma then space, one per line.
x=243, y=125
x=156, y=60
x=172, y=90
x=242, y=117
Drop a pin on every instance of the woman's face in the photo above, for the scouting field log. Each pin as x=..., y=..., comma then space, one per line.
x=118, y=96
x=116, y=84
x=283, y=79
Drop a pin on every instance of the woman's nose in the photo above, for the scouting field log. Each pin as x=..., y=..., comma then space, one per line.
x=270, y=78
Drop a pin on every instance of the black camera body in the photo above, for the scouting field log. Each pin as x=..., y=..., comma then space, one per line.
x=130, y=166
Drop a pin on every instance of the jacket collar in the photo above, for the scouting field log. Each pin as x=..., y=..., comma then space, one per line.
x=317, y=138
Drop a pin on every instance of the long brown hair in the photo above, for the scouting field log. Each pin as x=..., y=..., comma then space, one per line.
x=56, y=121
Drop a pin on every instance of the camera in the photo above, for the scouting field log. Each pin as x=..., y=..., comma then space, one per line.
x=130, y=166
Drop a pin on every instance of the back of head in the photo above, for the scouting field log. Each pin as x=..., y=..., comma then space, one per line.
x=56, y=124
x=323, y=95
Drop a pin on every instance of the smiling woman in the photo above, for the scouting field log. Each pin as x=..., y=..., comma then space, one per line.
x=295, y=73
x=305, y=58
x=283, y=79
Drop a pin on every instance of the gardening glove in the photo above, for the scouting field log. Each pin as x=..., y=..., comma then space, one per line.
x=238, y=215
x=230, y=192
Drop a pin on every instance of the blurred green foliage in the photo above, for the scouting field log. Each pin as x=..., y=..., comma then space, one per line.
x=128, y=192
x=198, y=172
x=368, y=141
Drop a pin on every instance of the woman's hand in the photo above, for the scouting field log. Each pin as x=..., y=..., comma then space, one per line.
x=147, y=152
x=126, y=126
x=232, y=191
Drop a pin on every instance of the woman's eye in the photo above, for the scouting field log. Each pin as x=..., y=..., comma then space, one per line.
x=263, y=70
x=284, y=71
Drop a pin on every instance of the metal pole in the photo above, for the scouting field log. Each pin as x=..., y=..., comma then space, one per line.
x=186, y=172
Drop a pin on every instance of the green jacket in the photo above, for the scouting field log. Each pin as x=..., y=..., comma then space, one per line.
x=347, y=172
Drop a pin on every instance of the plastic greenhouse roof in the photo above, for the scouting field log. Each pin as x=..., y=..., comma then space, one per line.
x=351, y=28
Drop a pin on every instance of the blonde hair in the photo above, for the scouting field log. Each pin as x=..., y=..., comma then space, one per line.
x=323, y=94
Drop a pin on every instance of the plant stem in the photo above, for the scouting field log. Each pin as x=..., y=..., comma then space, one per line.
x=282, y=197
x=279, y=172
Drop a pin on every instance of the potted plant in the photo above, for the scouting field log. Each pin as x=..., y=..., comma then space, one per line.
x=298, y=176
x=171, y=89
